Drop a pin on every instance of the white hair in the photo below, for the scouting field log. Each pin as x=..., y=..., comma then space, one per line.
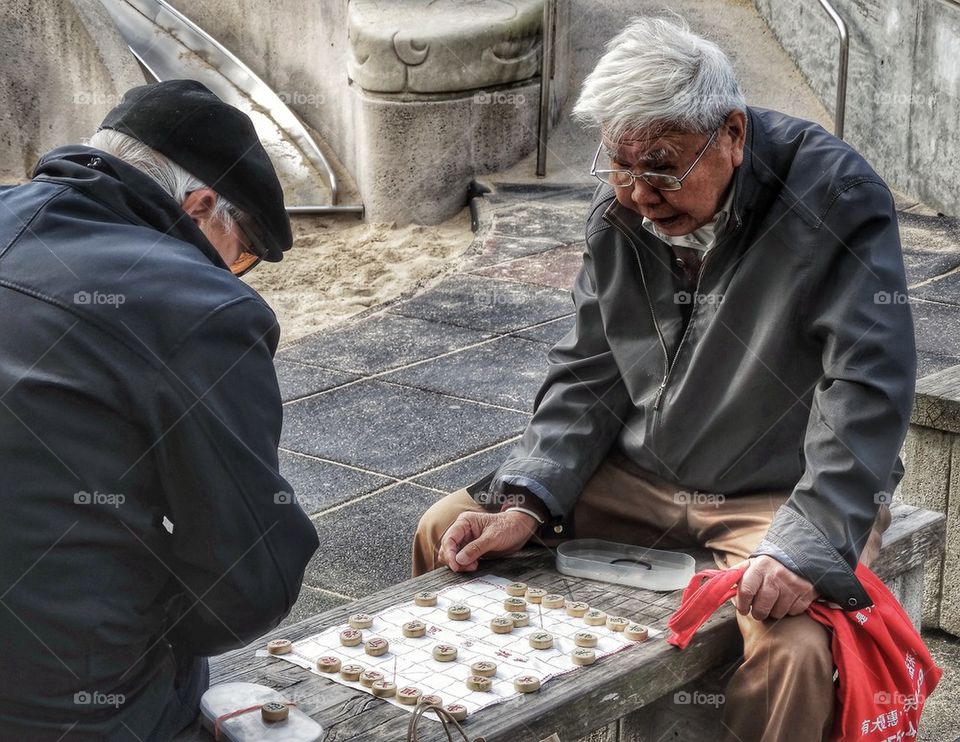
x=172, y=178
x=657, y=75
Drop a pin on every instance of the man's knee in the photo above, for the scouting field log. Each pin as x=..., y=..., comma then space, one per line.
x=433, y=524
x=440, y=516
x=794, y=644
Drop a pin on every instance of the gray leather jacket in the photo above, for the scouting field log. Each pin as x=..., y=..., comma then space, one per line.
x=795, y=372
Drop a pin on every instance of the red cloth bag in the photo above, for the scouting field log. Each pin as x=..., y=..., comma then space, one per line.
x=885, y=670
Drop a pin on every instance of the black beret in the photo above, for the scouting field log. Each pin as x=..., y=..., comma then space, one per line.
x=213, y=141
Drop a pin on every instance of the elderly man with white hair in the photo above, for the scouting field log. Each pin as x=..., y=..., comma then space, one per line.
x=741, y=372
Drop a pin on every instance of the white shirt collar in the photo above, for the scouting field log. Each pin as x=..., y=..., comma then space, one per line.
x=701, y=239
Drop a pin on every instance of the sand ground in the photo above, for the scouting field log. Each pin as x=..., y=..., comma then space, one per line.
x=339, y=267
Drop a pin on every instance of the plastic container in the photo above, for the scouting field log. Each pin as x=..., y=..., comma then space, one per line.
x=250, y=727
x=622, y=564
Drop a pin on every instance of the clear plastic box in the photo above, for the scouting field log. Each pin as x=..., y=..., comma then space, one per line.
x=622, y=564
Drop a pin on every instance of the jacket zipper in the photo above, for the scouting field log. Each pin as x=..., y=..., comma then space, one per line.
x=669, y=363
x=653, y=314
x=686, y=330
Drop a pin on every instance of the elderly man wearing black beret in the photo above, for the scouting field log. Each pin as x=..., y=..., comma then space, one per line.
x=145, y=524
x=741, y=372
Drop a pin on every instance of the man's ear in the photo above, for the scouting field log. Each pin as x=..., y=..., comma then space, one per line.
x=736, y=128
x=199, y=204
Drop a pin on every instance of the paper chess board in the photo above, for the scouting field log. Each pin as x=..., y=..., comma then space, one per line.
x=412, y=661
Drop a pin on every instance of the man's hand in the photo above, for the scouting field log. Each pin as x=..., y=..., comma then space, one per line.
x=473, y=535
x=770, y=590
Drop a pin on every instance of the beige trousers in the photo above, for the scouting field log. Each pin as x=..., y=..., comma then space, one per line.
x=783, y=690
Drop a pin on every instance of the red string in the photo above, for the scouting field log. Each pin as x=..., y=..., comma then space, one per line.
x=240, y=712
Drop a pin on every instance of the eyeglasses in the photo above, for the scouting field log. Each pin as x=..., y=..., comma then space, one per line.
x=660, y=181
x=253, y=253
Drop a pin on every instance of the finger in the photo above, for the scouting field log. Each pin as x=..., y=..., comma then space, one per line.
x=799, y=606
x=784, y=603
x=763, y=601
x=749, y=585
x=487, y=537
x=471, y=552
x=450, y=542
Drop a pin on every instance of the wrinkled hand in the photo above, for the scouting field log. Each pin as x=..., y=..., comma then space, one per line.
x=770, y=590
x=474, y=535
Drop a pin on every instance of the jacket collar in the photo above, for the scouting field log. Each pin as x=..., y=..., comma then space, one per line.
x=755, y=174
x=125, y=190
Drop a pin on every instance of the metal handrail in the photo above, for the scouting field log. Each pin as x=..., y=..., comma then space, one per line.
x=841, y=105
x=546, y=64
x=163, y=15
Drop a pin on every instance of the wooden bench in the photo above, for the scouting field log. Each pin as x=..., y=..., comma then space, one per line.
x=627, y=697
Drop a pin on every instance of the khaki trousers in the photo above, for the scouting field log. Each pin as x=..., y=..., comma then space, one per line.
x=783, y=690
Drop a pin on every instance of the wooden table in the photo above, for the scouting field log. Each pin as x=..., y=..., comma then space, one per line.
x=572, y=705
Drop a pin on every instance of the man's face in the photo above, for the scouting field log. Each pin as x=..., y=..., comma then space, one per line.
x=678, y=212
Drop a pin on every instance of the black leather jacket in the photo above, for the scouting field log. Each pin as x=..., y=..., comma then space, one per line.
x=796, y=370
x=142, y=516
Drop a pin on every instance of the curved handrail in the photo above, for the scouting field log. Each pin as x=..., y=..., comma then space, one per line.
x=839, y=113
x=227, y=64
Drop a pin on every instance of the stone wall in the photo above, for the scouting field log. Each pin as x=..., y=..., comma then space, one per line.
x=931, y=455
x=903, y=90
x=64, y=66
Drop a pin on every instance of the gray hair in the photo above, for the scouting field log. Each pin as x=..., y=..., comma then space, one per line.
x=657, y=75
x=172, y=178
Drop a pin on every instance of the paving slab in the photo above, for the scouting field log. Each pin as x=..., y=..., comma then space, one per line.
x=937, y=327
x=487, y=304
x=381, y=342
x=393, y=430
x=466, y=471
x=320, y=485
x=366, y=546
x=549, y=332
x=507, y=371
x=931, y=363
x=922, y=266
x=299, y=379
x=497, y=248
x=561, y=220
x=557, y=268
x=945, y=290
x=310, y=602
x=929, y=245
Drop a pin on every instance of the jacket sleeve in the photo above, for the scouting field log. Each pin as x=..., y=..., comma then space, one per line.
x=240, y=541
x=858, y=314
x=578, y=411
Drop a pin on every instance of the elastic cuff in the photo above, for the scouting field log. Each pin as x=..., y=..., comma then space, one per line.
x=768, y=548
x=518, y=480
